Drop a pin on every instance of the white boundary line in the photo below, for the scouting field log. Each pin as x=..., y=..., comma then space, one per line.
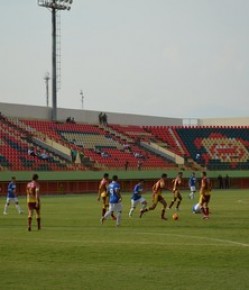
x=200, y=238
x=212, y=241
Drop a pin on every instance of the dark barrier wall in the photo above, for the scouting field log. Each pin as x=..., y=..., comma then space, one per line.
x=90, y=186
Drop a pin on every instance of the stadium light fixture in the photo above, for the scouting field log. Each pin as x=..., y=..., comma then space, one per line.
x=54, y=6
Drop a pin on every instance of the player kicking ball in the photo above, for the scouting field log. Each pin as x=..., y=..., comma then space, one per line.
x=137, y=198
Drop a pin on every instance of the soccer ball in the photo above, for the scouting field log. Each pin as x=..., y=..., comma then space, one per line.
x=175, y=216
x=196, y=208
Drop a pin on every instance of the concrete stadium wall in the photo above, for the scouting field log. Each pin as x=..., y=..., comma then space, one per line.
x=25, y=111
x=85, y=116
x=224, y=122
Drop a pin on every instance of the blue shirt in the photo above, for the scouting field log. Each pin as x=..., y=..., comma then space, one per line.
x=11, y=190
x=113, y=190
x=137, y=192
x=192, y=181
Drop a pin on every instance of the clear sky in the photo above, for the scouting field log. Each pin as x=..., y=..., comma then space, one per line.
x=171, y=58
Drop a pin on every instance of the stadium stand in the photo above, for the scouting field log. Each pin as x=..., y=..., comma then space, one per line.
x=103, y=147
x=112, y=146
x=14, y=150
x=219, y=147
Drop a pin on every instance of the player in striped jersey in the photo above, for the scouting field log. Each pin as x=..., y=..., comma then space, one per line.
x=157, y=189
x=103, y=194
x=33, y=200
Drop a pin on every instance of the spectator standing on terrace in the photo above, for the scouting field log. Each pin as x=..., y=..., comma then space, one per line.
x=12, y=196
x=220, y=180
x=227, y=182
x=82, y=156
x=73, y=155
x=105, y=119
x=100, y=118
x=70, y=120
x=139, y=165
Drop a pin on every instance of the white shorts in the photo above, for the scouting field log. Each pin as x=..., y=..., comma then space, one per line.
x=115, y=206
x=134, y=203
x=192, y=188
x=13, y=199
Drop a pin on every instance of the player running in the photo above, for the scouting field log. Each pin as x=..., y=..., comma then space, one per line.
x=33, y=200
x=12, y=196
x=192, y=186
x=103, y=194
x=176, y=191
x=137, y=198
x=205, y=195
x=115, y=204
x=157, y=189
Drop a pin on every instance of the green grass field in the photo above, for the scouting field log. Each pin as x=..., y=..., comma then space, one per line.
x=73, y=251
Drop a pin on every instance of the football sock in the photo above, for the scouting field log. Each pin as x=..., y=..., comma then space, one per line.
x=38, y=223
x=131, y=211
x=18, y=208
x=152, y=207
x=29, y=223
x=5, y=208
x=142, y=211
x=118, y=218
x=107, y=214
x=113, y=216
x=103, y=211
x=144, y=206
x=178, y=203
x=163, y=214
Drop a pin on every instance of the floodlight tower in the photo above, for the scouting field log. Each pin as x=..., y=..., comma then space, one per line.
x=46, y=79
x=55, y=6
x=82, y=99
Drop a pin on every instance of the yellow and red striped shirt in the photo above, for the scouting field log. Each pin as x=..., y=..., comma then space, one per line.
x=32, y=191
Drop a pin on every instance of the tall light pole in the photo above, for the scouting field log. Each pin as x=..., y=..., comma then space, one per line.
x=82, y=99
x=47, y=78
x=54, y=6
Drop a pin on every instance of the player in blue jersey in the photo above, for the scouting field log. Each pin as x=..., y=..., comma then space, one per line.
x=115, y=201
x=11, y=196
x=192, y=186
x=137, y=198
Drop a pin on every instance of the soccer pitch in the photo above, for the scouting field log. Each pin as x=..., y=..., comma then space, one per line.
x=74, y=251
